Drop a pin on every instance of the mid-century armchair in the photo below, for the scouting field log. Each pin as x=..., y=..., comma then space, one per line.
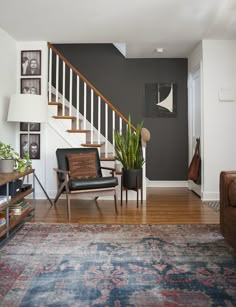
x=80, y=172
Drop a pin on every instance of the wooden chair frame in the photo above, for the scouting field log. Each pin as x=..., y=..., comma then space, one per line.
x=63, y=188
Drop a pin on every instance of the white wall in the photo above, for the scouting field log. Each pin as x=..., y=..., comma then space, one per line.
x=7, y=85
x=195, y=58
x=219, y=121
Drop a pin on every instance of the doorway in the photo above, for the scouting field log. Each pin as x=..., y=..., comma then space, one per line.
x=195, y=121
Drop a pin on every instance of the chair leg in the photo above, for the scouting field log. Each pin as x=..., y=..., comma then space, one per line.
x=115, y=202
x=56, y=198
x=68, y=206
x=59, y=192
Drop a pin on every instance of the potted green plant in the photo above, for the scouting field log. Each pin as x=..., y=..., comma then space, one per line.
x=128, y=150
x=24, y=163
x=8, y=157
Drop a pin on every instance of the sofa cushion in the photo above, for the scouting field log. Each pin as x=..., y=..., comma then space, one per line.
x=232, y=193
x=82, y=165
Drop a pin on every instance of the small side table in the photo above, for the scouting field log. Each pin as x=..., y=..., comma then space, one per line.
x=139, y=186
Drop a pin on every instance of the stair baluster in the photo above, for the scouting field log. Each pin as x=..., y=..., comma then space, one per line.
x=91, y=118
x=63, y=88
x=85, y=104
x=70, y=99
x=77, y=103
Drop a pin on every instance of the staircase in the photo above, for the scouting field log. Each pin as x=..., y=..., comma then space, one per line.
x=79, y=114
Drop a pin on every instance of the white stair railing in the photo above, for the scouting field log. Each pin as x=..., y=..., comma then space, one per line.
x=83, y=89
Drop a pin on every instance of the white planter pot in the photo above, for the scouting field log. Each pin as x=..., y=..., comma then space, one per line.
x=7, y=165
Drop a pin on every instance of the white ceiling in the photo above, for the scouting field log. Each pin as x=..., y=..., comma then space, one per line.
x=142, y=25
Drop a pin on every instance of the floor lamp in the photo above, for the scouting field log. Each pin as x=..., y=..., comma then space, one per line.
x=29, y=108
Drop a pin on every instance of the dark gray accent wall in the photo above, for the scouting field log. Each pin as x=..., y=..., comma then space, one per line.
x=122, y=81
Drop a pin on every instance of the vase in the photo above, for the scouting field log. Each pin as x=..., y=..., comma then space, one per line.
x=132, y=178
x=7, y=165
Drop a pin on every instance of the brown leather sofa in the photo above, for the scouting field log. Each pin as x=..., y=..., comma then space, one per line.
x=228, y=206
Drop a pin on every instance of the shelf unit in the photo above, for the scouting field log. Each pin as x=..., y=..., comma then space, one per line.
x=12, y=221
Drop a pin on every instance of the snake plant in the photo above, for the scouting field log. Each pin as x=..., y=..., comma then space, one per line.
x=128, y=149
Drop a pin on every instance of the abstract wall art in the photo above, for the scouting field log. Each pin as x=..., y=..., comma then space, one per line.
x=160, y=100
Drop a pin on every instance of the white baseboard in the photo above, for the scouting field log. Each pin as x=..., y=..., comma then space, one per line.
x=166, y=184
x=207, y=196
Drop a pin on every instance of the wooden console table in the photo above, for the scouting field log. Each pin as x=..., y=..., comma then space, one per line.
x=6, y=179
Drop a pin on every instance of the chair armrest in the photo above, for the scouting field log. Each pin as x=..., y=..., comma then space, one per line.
x=61, y=171
x=60, y=179
x=109, y=169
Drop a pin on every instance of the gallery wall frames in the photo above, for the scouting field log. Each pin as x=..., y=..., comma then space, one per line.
x=30, y=83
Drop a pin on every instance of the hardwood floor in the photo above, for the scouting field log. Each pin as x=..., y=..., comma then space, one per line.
x=163, y=206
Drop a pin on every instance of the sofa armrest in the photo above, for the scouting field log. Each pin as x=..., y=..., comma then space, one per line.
x=226, y=178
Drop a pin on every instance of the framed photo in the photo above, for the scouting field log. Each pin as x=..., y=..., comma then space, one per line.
x=32, y=126
x=31, y=62
x=32, y=145
x=31, y=86
x=160, y=100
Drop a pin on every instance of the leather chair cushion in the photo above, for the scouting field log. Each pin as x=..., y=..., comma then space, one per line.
x=232, y=193
x=93, y=183
x=82, y=165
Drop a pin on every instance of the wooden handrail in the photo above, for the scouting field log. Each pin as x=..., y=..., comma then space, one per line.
x=89, y=84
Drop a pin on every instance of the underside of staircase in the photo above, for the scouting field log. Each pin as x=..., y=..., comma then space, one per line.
x=109, y=156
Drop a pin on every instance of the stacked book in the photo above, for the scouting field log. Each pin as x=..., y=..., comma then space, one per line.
x=20, y=207
x=2, y=218
x=4, y=198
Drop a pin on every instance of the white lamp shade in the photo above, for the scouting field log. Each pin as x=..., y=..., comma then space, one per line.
x=28, y=108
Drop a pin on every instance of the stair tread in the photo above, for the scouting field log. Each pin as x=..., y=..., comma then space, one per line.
x=77, y=131
x=53, y=103
x=92, y=145
x=109, y=157
x=63, y=117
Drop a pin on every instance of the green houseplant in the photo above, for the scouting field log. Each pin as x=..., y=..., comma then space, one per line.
x=128, y=151
x=10, y=158
x=24, y=163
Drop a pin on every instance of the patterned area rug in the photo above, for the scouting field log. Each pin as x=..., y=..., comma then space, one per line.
x=215, y=205
x=115, y=265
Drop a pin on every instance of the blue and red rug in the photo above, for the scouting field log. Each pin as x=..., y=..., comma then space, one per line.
x=117, y=265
